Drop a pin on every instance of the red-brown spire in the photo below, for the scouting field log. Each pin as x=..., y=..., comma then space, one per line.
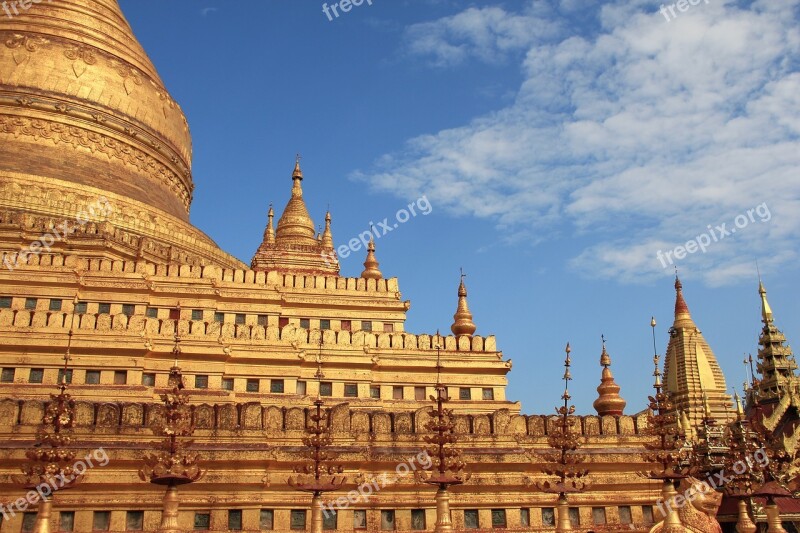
x=683, y=317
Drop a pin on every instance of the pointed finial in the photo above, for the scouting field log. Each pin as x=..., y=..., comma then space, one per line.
x=327, y=236
x=609, y=402
x=269, y=232
x=766, y=310
x=371, y=270
x=738, y=404
x=683, y=319
x=463, y=324
x=298, y=173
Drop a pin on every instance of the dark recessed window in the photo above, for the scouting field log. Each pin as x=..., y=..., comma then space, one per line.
x=388, y=328
x=360, y=519
x=387, y=520
x=152, y=312
x=103, y=309
x=326, y=388
x=30, y=303
x=227, y=383
x=471, y=519
x=498, y=518
x=202, y=521
x=574, y=517
x=120, y=377
x=599, y=515
x=464, y=393
x=148, y=380
x=351, y=390
x=28, y=522
x=418, y=520
x=297, y=519
x=174, y=314
x=262, y=320
x=625, y=515
x=419, y=393
x=66, y=520
x=301, y=388
x=134, y=520
x=305, y=323
x=128, y=309
x=548, y=516
x=240, y=319
x=525, y=517
x=55, y=305
x=488, y=394
x=201, y=381
x=80, y=308
x=375, y=392
x=37, y=375
x=325, y=324
x=283, y=322
x=267, y=520
x=276, y=386
x=346, y=325
x=252, y=385
x=101, y=521
x=366, y=325
x=61, y=375
x=397, y=393
x=329, y=519
x=197, y=314
x=219, y=317
x=5, y=303
x=647, y=514
x=7, y=375
x=235, y=520
x=92, y=377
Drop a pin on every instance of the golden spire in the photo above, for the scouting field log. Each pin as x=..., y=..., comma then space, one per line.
x=371, y=264
x=327, y=236
x=295, y=225
x=609, y=402
x=463, y=324
x=766, y=310
x=683, y=319
x=269, y=233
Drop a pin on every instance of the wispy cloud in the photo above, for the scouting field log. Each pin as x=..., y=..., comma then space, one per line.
x=636, y=133
x=206, y=10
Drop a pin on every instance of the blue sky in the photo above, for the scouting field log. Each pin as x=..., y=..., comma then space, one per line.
x=561, y=144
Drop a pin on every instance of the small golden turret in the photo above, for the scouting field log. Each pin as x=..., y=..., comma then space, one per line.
x=327, y=236
x=371, y=270
x=609, y=402
x=269, y=233
x=766, y=310
x=463, y=324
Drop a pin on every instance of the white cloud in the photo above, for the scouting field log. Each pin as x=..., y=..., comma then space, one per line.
x=640, y=131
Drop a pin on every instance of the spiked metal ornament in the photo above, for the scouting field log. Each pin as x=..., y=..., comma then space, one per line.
x=563, y=460
x=320, y=473
x=447, y=466
x=173, y=464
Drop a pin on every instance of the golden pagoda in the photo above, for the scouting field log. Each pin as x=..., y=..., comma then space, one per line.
x=91, y=137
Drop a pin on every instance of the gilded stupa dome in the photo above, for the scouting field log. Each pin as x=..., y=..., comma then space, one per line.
x=84, y=114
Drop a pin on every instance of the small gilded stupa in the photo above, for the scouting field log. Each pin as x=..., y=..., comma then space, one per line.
x=463, y=324
x=371, y=264
x=295, y=246
x=609, y=401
